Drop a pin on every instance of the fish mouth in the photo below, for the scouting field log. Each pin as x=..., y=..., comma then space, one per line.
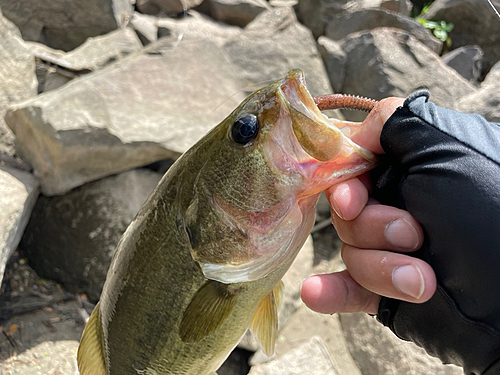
x=317, y=136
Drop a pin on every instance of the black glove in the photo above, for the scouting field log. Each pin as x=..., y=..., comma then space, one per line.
x=445, y=170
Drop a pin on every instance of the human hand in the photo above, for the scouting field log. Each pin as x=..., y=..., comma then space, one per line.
x=375, y=238
x=445, y=171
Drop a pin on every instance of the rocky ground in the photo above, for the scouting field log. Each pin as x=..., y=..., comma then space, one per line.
x=97, y=101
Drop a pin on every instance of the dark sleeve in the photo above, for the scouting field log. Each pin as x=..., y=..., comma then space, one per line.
x=445, y=170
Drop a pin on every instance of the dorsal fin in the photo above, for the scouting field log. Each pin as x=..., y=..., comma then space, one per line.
x=206, y=312
x=91, y=353
x=264, y=324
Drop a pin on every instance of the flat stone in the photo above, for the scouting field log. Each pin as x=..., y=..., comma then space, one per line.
x=66, y=24
x=366, y=19
x=310, y=358
x=165, y=7
x=467, y=61
x=475, y=23
x=236, y=12
x=18, y=194
x=315, y=14
x=71, y=238
x=377, y=350
x=390, y=62
x=148, y=107
x=17, y=80
x=273, y=44
x=486, y=100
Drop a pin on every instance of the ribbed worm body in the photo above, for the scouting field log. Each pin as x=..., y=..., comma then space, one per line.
x=343, y=101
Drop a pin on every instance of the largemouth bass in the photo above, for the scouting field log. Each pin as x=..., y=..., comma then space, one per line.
x=204, y=258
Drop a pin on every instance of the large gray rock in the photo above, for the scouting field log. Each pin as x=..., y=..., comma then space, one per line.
x=55, y=67
x=475, y=22
x=17, y=78
x=235, y=12
x=335, y=60
x=467, y=61
x=144, y=108
x=273, y=44
x=486, y=100
x=71, y=238
x=165, y=7
x=316, y=14
x=310, y=358
x=389, y=62
x=350, y=22
x=377, y=350
x=65, y=24
x=18, y=194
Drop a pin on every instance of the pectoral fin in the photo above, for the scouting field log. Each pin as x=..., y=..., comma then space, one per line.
x=264, y=324
x=206, y=312
x=91, y=353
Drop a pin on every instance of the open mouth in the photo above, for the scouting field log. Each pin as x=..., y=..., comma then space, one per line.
x=318, y=137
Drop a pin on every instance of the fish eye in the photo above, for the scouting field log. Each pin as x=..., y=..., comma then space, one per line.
x=245, y=129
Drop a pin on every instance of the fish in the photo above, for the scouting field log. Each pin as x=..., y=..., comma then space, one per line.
x=203, y=259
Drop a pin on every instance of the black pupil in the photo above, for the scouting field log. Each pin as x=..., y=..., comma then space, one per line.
x=245, y=129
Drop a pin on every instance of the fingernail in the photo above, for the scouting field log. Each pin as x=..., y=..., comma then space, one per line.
x=340, y=190
x=401, y=233
x=409, y=280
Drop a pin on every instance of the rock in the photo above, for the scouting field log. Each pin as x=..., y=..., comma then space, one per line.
x=236, y=12
x=291, y=302
x=71, y=238
x=66, y=24
x=163, y=7
x=403, y=7
x=377, y=350
x=17, y=78
x=350, y=22
x=335, y=60
x=475, y=23
x=486, y=100
x=18, y=194
x=315, y=14
x=273, y=44
x=389, y=62
x=198, y=26
x=146, y=27
x=467, y=61
x=55, y=68
x=310, y=358
x=145, y=108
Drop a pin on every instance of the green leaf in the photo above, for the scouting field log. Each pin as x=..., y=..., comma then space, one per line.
x=441, y=35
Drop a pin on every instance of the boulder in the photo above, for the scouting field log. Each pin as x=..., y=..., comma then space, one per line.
x=18, y=194
x=310, y=358
x=145, y=26
x=55, y=67
x=71, y=238
x=366, y=19
x=335, y=60
x=403, y=7
x=377, y=350
x=164, y=7
x=486, y=100
x=65, y=24
x=291, y=301
x=235, y=12
x=273, y=44
x=17, y=79
x=475, y=23
x=467, y=61
x=389, y=62
x=315, y=14
x=150, y=106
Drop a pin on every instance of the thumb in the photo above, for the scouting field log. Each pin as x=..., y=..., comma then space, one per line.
x=368, y=133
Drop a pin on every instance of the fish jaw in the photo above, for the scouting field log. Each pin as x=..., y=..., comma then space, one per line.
x=329, y=156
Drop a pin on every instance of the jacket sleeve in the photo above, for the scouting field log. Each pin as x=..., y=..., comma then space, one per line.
x=445, y=170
